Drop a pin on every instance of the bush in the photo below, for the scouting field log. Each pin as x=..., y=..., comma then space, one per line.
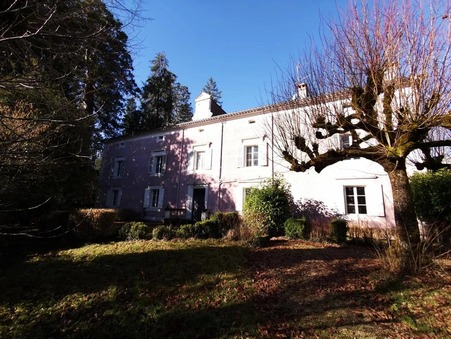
x=185, y=231
x=134, y=231
x=432, y=196
x=338, y=230
x=125, y=214
x=93, y=224
x=163, y=232
x=267, y=208
x=318, y=216
x=297, y=228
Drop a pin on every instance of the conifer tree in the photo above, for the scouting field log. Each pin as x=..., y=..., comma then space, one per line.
x=212, y=88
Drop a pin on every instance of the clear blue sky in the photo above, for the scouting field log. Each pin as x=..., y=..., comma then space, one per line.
x=239, y=43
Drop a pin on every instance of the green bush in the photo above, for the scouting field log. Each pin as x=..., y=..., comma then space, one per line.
x=163, y=232
x=134, y=231
x=207, y=229
x=185, y=231
x=297, y=228
x=93, y=224
x=338, y=230
x=267, y=208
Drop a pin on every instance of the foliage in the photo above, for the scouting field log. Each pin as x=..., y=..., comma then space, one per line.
x=267, y=208
x=134, y=231
x=297, y=228
x=338, y=230
x=318, y=216
x=389, y=92
x=164, y=101
x=212, y=88
x=93, y=224
x=185, y=231
x=163, y=232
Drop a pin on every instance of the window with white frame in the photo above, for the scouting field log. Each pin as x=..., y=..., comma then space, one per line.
x=153, y=197
x=199, y=160
x=251, y=155
x=157, y=162
x=114, y=197
x=355, y=200
x=118, y=167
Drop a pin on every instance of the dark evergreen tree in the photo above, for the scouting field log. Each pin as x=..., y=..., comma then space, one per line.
x=132, y=119
x=183, y=111
x=212, y=88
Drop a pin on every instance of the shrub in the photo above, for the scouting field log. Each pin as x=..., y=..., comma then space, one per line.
x=338, y=230
x=163, y=232
x=432, y=196
x=125, y=214
x=267, y=208
x=297, y=228
x=226, y=221
x=134, y=231
x=318, y=216
x=93, y=224
x=185, y=231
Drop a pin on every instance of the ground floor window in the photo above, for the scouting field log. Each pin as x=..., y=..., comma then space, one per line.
x=355, y=200
x=114, y=197
x=153, y=197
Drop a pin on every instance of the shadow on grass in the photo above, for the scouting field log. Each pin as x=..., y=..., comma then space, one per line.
x=193, y=292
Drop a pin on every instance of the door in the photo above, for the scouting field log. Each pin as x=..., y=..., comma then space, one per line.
x=198, y=203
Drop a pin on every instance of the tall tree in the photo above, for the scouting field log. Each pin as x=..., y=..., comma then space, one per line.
x=212, y=88
x=164, y=101
x=66, y=63
x=183, y=111
x=382, y=75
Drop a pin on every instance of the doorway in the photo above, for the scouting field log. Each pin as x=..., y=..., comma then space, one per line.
x=198, y=203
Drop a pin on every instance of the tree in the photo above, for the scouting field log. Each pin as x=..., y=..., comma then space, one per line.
x=382, y=75
x=212, y=88
x=183, y=111
x=65, y=71
x=164, y=101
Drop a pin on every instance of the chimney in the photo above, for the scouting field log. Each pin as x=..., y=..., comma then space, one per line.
x=302, y=91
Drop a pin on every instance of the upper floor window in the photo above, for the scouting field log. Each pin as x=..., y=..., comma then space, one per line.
x=118, y=167
x=251, y=154
x=200, y=160
x=157, y=163
x=355, y=200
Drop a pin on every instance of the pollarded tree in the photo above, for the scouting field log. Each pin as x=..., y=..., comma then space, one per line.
x=212, y=88
x=382, y=75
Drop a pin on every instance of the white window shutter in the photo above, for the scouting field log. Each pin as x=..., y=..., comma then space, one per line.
x=209, y=159
x=146, y=203
x=190, y=161
x=165, y=159
x=189, y=202
x=240, y=156
x=375, y=200
x=151, y=164
x=160, y=198
x=263, y=154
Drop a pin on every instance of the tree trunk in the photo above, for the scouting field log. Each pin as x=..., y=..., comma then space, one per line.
x=407, y=229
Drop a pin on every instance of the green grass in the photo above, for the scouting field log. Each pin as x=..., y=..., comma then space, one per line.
x=129, y=289
x=216, y=289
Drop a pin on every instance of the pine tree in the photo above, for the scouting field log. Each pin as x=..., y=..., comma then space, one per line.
x=183, y=111
x=212, y=88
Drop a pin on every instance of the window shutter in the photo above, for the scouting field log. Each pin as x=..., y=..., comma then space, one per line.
x=165, y=159
x=146, y=203
x=160, y=198
x=240, y=154
x=190, y=161
x=263, y=154
x=209, y=159
x=152, y=164
x=109, y=198
x=375, y=200
x=189, y=202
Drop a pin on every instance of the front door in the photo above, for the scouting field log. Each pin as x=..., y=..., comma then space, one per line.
x=198, y=203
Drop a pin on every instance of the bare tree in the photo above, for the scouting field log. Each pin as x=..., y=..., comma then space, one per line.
x=380, y=75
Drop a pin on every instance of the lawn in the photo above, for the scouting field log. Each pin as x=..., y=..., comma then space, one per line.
x=216, y=289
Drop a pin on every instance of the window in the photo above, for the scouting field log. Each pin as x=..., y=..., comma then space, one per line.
x=200, y=160
x=118, y=167
x=153, y=197
x=160, y=138
x=251, y=153
x=114, y=197
x=345, y=140
x=157, y=163
x=355, y=200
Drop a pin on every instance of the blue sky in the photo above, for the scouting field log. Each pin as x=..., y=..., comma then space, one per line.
x=240, y=44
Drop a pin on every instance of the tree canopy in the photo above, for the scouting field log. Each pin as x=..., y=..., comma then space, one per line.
x=381, y=78
x=212, y=88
